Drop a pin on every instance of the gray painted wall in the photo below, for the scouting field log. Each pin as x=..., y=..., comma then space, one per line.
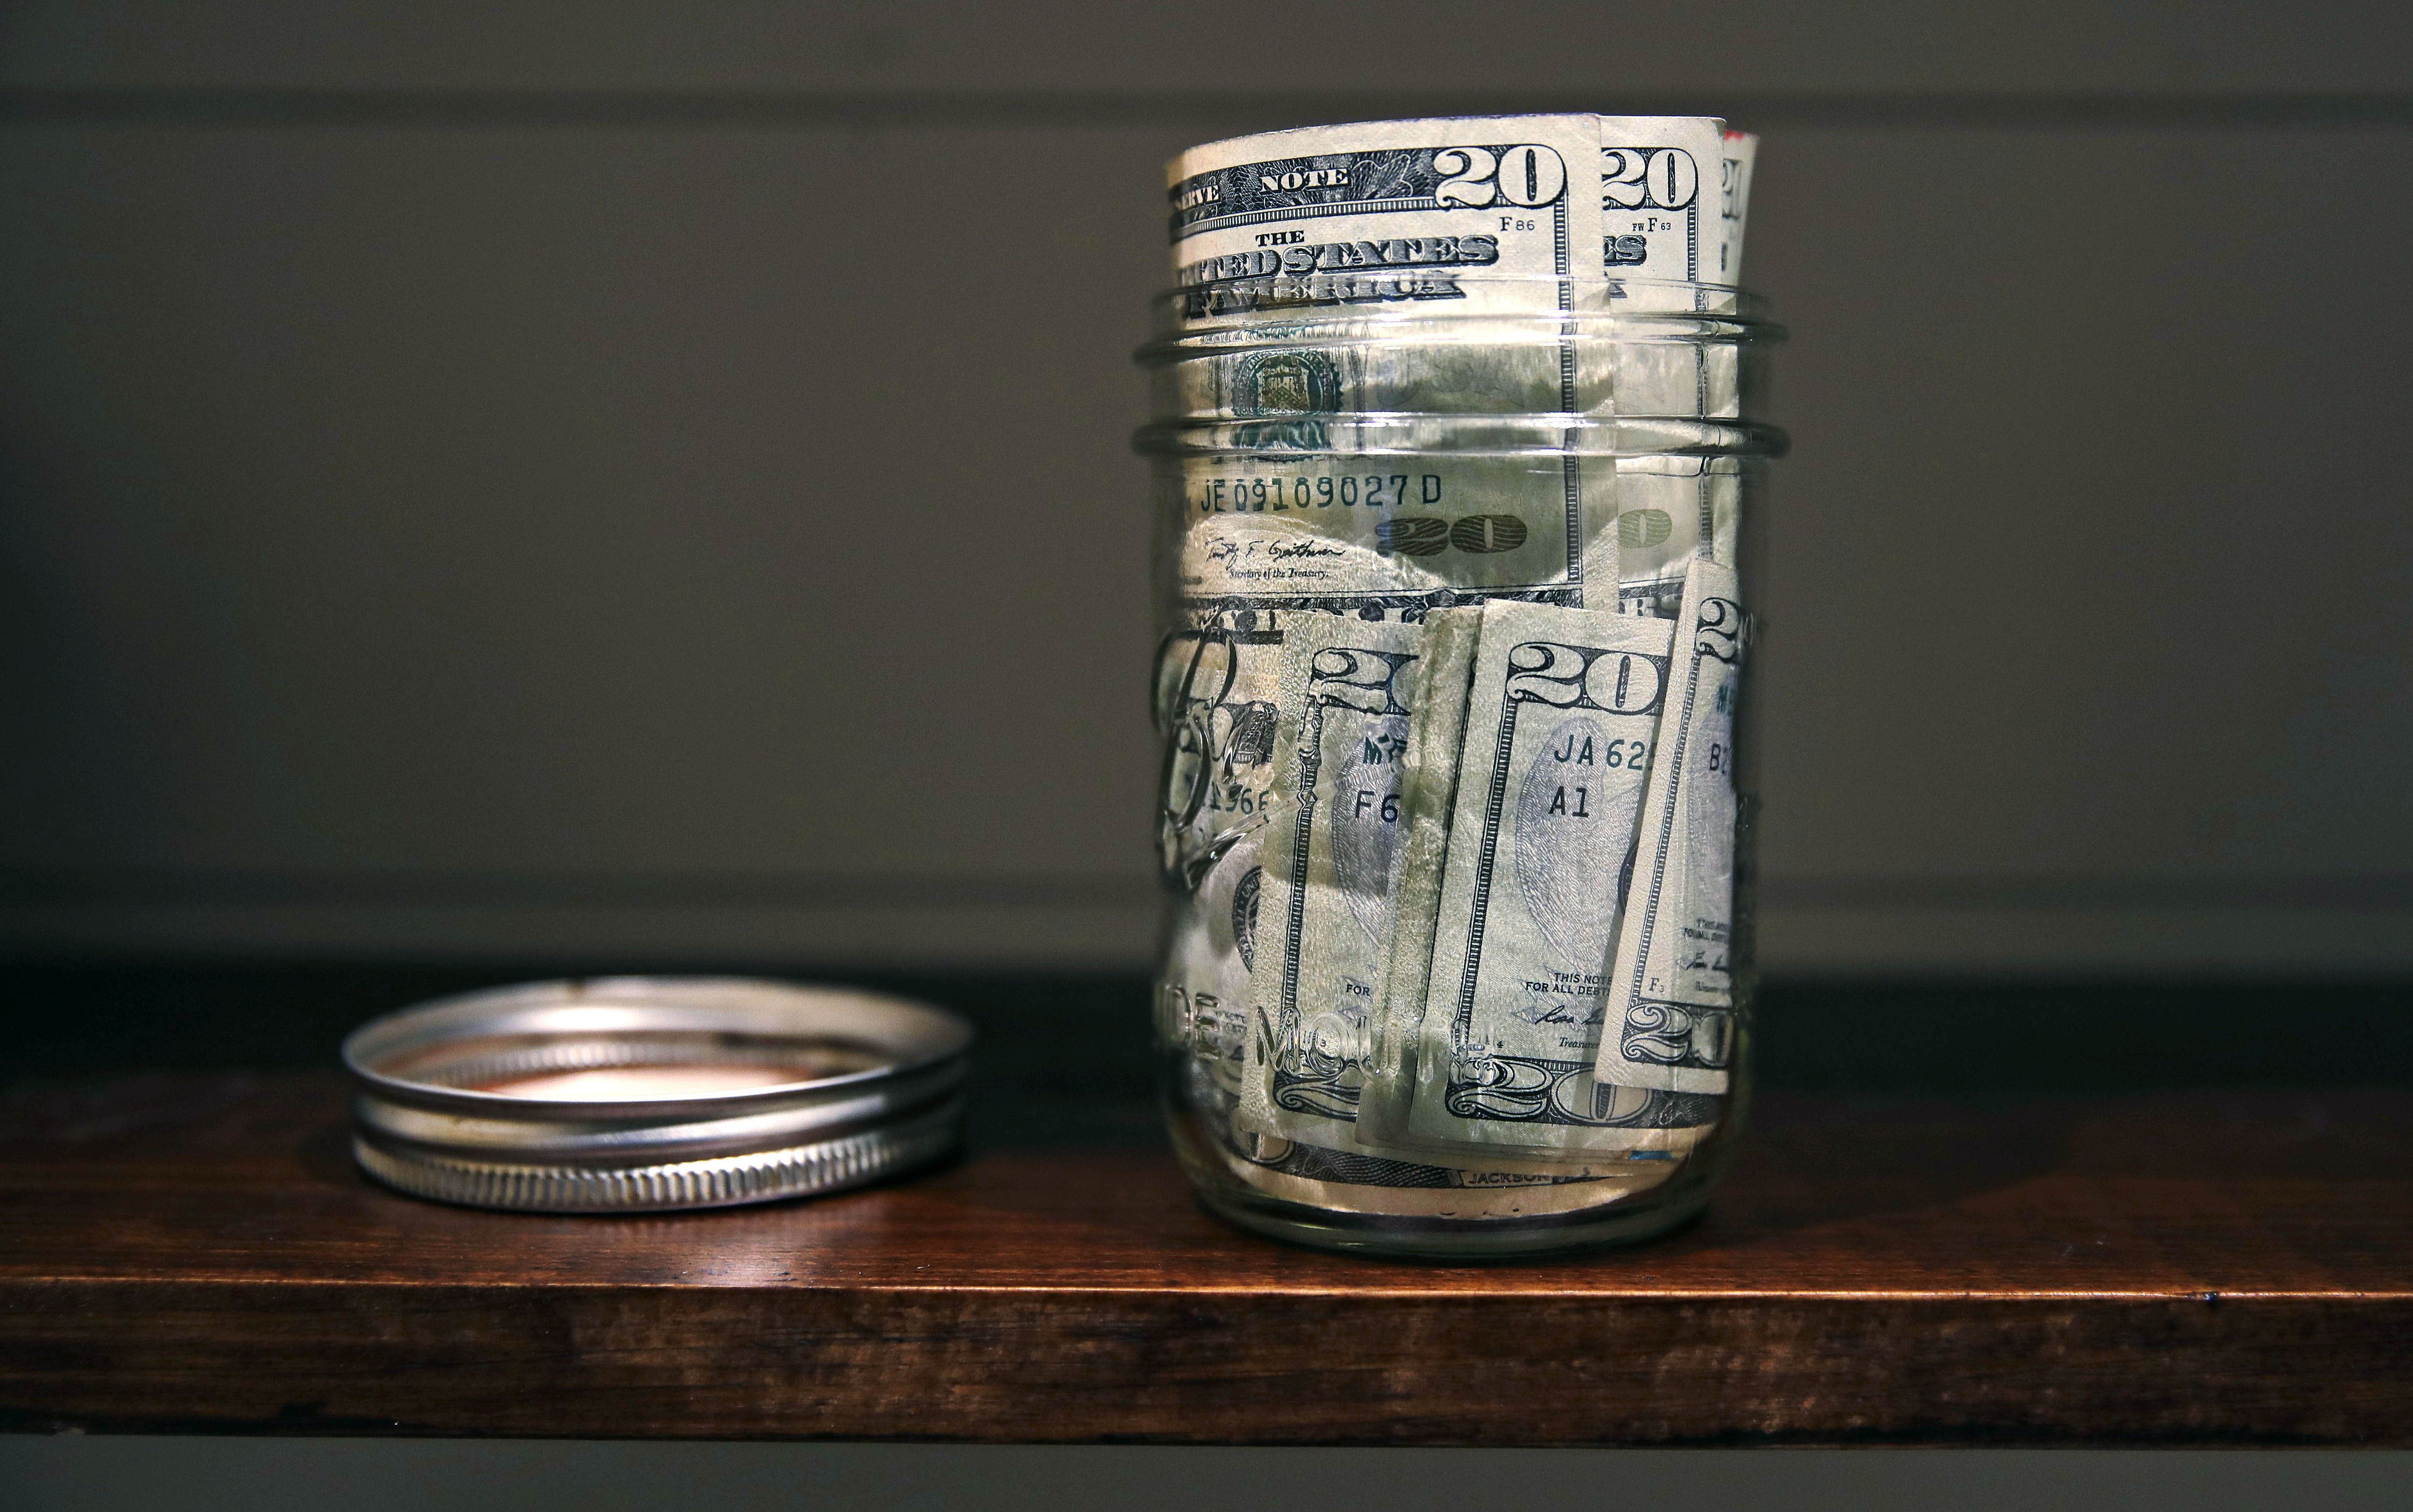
x=650, y=481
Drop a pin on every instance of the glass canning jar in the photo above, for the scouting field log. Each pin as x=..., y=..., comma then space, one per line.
x=1419, y=850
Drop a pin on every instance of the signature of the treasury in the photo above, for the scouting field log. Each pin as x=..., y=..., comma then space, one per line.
x=1234, y=553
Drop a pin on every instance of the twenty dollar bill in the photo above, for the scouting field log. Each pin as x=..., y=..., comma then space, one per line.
x=1497, y=1052
x=1670, y=1019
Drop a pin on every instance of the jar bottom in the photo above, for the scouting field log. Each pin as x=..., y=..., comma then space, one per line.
x=1460, y=1240
x=1408, y=1238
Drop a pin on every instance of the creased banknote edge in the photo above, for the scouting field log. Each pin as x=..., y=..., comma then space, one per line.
x=1665, y=812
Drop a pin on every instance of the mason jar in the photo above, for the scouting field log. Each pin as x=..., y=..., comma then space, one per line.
x=1457, y=775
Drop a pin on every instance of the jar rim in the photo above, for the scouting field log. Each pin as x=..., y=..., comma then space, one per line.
x=1292, y=437
x=1331, y=310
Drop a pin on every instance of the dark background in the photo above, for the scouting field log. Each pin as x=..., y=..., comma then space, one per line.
x=488, y=490
x=639, y=482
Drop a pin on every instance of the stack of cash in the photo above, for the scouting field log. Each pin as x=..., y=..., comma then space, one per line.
x=1449, y=677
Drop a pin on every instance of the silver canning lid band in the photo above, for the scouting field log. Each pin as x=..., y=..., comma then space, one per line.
x=633, y=1094
x=832, y=1166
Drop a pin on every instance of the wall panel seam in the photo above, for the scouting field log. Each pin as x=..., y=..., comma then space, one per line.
x=1052, y=109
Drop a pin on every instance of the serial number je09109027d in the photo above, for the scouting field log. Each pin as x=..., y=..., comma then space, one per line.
x=1282, y=492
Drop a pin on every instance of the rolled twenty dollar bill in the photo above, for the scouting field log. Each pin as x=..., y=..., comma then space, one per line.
x=1669, y=1019
x=1332, y=852
x=1493, y=1045
x=1428, y=801
x=1439, y=209
x=1357, y=736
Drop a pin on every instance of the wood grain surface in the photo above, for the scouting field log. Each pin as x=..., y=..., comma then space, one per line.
x=195, y=1252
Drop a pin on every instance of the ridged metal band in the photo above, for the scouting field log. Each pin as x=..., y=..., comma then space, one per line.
x=765, y=1176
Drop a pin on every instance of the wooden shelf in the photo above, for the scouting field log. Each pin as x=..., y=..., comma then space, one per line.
x=195, y=1252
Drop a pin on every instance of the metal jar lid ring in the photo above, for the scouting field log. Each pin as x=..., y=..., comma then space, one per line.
x=635, y=1094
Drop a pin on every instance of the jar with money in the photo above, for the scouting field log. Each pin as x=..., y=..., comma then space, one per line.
x=1456, y=487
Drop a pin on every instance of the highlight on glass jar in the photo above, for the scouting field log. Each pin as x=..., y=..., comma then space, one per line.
x=1452, y=569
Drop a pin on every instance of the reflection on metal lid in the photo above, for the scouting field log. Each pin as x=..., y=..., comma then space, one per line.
x=639, y=1084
